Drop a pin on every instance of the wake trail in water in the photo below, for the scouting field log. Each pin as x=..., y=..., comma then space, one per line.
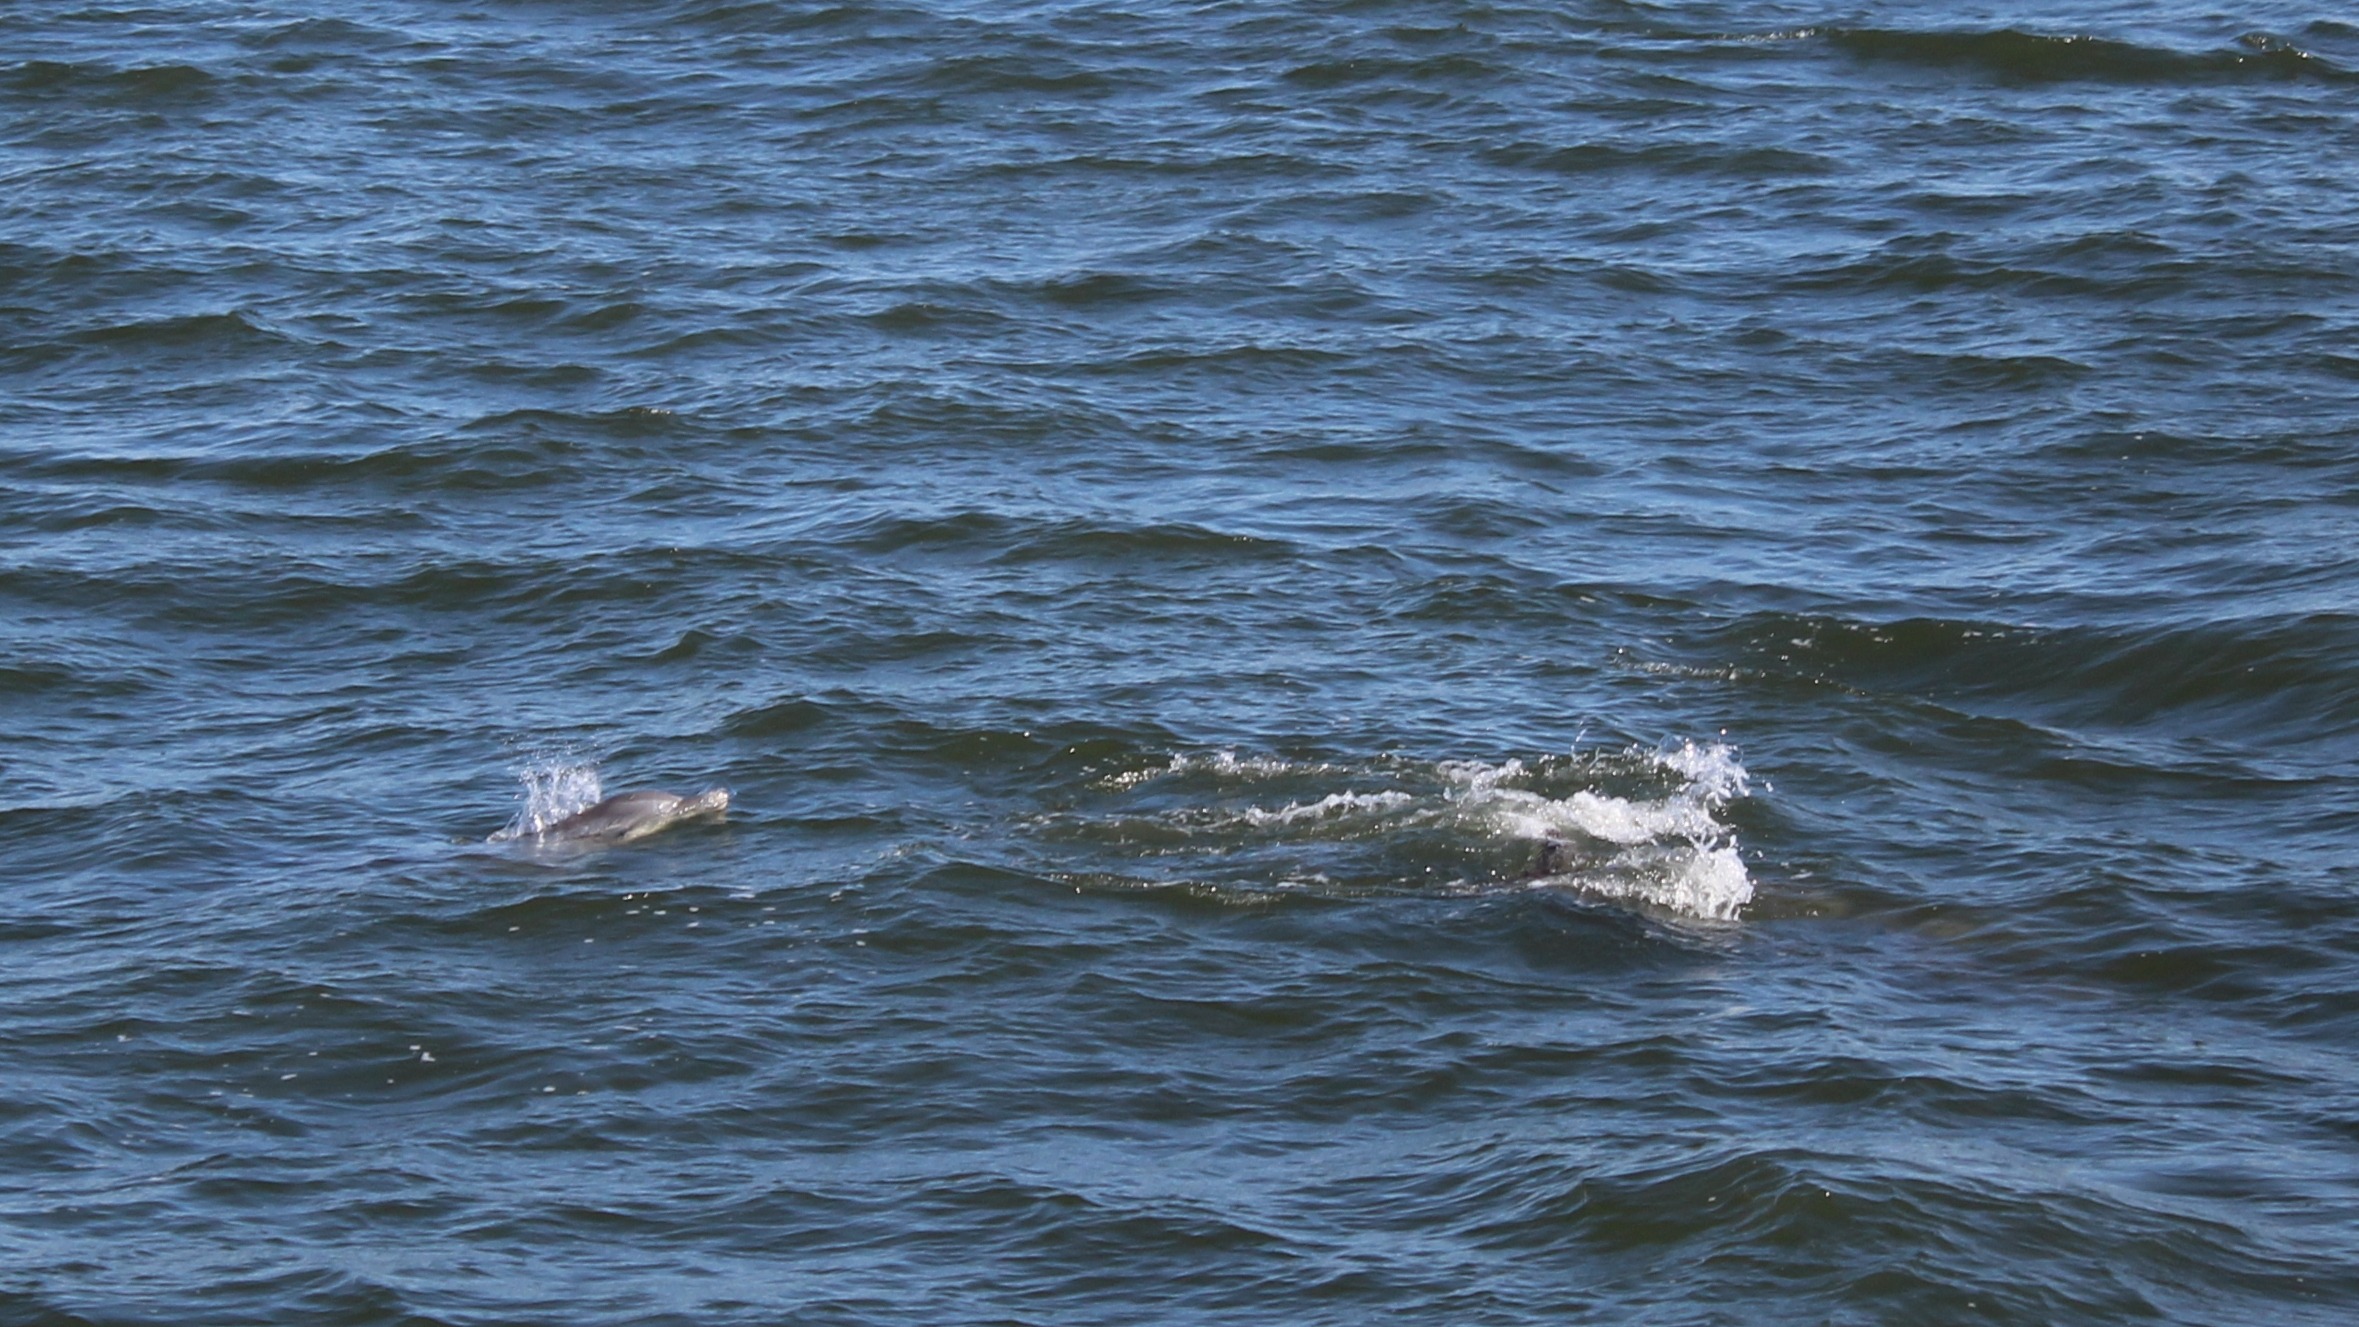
x=1643, y=826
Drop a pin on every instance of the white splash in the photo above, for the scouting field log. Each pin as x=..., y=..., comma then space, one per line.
x=1669, y=850
x=1673, y=851
x=1711, y=770
x=1229, y=764
x=554, y=787
x=1334, y=804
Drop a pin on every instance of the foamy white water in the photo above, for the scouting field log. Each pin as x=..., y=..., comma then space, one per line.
x=1671, y=852
x=1640, y=826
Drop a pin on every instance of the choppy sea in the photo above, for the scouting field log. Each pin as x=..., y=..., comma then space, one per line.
x=1457, y=662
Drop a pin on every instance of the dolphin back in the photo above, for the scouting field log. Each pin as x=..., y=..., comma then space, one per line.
x=635, y=815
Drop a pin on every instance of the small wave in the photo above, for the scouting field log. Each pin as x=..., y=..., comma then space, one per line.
x=1329, y=807
x=1229, y=764
x=1021, y=540
x=213, y=333
x=2281, y=673
x=134, y=84
x=2028, y=57
x=1395, y=74
x=1742, y=161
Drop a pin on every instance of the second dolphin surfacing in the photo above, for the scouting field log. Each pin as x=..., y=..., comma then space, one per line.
x=635, y=815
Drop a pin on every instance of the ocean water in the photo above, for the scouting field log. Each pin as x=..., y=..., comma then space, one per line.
x=1456, y=662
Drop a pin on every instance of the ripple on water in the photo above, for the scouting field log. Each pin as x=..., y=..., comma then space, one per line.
x=1503, y=663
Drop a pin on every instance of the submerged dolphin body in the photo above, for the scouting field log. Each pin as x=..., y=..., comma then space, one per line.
x=635, y=815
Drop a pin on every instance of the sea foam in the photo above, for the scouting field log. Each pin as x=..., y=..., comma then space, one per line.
x=1641, y=825
x=1671, y=851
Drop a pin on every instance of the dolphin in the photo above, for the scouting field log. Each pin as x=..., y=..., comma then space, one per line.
x=1550, y=861
x=625, y=817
